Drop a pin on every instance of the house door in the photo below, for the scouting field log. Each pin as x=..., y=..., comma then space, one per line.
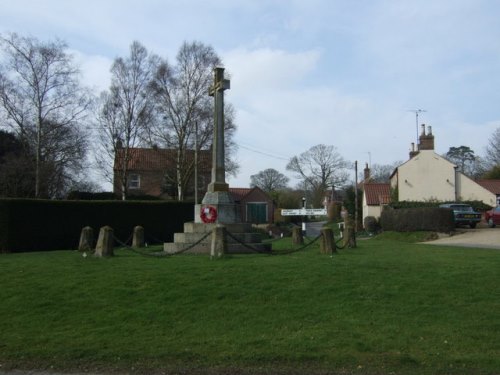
x=257, y=213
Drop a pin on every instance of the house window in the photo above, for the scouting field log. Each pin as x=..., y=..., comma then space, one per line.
x=134, y=181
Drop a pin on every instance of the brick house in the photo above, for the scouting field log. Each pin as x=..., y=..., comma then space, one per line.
x=257, y=207
x=150, y=171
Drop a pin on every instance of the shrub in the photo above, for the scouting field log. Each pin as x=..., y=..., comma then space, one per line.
x=417, y=219
x=334, y=211
x=38, y=225
x=371, y=224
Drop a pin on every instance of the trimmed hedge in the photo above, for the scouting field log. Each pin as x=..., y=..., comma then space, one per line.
x=40, y=225
x=418, y=219
x=477, y=205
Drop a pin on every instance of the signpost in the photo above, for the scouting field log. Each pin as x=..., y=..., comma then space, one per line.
x=304, y=212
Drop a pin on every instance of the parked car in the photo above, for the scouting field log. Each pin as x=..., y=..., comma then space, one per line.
x=492, y=216
x=464, y=214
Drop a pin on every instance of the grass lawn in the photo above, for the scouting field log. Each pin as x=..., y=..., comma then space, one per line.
x=386, y=307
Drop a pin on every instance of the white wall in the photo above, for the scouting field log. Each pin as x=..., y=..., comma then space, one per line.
x=470, y=191
x=430, y=177
x=426, y=177
x=374, y=211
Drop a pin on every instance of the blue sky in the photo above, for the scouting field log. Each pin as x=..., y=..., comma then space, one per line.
x=342, y=73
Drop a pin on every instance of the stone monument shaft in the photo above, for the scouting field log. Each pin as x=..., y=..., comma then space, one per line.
x=218, y=182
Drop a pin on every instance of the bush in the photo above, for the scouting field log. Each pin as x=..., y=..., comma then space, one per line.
x=90, y=196
x=333, y=211
x=477, y=205
x=417, y=219
x=38, y=225
x=371, y=224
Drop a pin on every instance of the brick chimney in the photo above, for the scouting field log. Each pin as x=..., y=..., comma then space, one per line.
x=426, y=140
x=366, y=173
x=413, y=152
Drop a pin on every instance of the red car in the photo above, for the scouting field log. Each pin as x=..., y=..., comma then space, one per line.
x=493, y=217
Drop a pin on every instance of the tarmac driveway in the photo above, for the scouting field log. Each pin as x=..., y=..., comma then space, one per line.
x=479, y=237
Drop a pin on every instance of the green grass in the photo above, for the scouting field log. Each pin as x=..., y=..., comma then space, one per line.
x=387, y=306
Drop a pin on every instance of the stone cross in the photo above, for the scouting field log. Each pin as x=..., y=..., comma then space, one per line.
x=218, y=182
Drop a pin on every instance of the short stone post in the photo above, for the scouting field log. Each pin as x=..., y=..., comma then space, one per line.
x=86, y=239
x=104, y=247
x=138, y=238
x=327, y=244
x=349, y=234
x=219, y=242
x=297, y=237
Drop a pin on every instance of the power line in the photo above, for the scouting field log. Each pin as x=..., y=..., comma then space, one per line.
x=263, y=152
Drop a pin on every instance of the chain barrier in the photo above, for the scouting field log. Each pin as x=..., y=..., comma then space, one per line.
x=337, y=244
x=229, y=234
x=153, y=240
x=245, y=244
x=284, y=252
x=161, y=254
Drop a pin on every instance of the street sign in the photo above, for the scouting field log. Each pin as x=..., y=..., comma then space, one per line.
x=304, y=212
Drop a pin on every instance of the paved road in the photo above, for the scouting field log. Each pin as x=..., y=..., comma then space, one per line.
x=483, y=237
x=313, y=229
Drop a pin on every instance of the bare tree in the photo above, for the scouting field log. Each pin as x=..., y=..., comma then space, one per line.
x=45, y=106
x=320, y=167
x=185, y=120
x=382, y=172
x=492, y=157
x=269, y=180
x=125, y=112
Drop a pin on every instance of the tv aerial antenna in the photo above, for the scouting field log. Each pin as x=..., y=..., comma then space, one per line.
x=417, y=112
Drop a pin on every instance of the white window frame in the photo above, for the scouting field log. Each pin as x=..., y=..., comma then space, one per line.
x=134, y=181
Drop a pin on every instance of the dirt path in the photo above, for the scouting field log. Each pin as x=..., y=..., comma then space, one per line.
x=483, y=237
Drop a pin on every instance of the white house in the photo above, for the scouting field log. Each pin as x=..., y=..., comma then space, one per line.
x=375, y=197
x=426, y=176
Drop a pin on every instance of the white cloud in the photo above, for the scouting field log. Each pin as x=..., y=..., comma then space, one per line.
x=95, y=70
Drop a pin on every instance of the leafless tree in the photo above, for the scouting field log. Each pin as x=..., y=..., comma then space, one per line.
x=492, y=156
x=269, y=180
x=45, y=105
x=125, y=112
x=382, y=172
x=320, y=167
x=185, y=120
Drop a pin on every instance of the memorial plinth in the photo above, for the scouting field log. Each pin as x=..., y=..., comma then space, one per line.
x=239, y=233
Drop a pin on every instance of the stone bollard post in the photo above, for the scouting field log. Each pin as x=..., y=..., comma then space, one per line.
x=349, y=234
x=327, y=244
x=138, y=239
x=219, y=242
x=86, y=239
x=104, y=247
x=297, y=237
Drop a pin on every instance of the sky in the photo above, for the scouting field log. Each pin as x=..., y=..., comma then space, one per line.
x=306, y=72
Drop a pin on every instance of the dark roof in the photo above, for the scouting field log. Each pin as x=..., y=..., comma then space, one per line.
x=377, y=193
x=153, y=159
x=491, y=185
x=239, y=194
